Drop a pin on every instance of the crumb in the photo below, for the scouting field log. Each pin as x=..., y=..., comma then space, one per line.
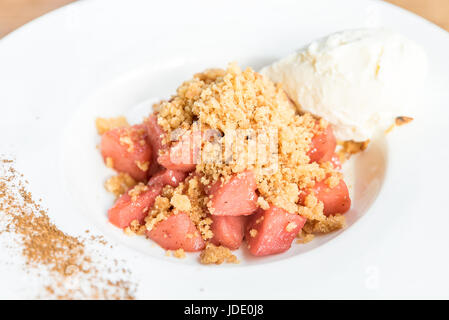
x=323, y=124
x=313, y=209
x=180, y=254
x=106, y=124
x=204, y=226
x=126, y=140
x=144, y=166
x=399, y=121
x=256, y=127
x=119, y=184
x=181, y=202
x=349, y=148
x=244, y=106
x=135, y=228
x=128, y=231
x=390, y=128
x=159, y=212
x=330, y=224
x=304, y=237
x=290, y=227
x=263, y=203
x=217, y=255
x=137, y=190
x=260, y=219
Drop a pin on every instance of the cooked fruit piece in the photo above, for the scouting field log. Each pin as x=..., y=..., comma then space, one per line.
x=126, y=150
x=184, y=154
x=167, y=176
x=155, y=134
x=323, y=146
x=128, y=208
x=335, y=200
x=177, y=232
x=236, y=197
x=272, y=231
x=228, y=231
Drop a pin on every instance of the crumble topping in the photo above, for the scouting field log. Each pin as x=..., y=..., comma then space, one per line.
x=159, y=212
x=109, y=162
x=304, y=237
x=254, y=127
x=217, y=255
x=233, y=102
x=135, y=228
x=137, y=190
x=132, y=137
x=119, y=184
x=399, y=121
x=181, y=202
x=349, y=148
x=263, y=203
x=333, y=180
x=331, y=223
x=106, y=124
x=313, y=209
x=180, y=253
x=69, y=267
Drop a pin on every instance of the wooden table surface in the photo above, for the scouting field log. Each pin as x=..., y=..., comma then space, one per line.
x=14, y=13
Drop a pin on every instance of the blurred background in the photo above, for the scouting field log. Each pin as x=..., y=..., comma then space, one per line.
x=14, y=13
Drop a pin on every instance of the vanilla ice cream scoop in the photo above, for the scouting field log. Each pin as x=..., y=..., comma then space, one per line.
x=358, y=80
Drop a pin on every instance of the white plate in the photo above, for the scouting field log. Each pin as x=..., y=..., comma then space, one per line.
x=99, y=58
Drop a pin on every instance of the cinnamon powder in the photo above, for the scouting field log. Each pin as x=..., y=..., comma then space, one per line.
x=65, y=262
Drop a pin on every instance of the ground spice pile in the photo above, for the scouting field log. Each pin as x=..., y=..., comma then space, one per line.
x=69, y=266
